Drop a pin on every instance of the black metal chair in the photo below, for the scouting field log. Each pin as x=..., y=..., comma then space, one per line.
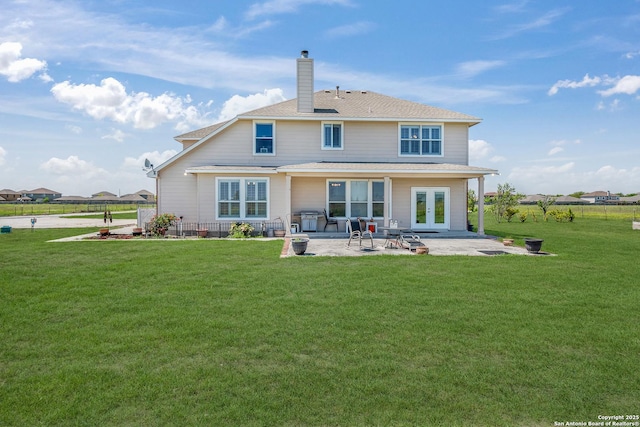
x=329, y=221
x=356, y=231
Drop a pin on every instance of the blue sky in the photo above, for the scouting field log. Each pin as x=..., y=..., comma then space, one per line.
x=89, y=89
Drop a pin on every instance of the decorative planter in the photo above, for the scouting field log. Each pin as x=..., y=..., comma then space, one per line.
x=533, y=245
x=137, y=231
x=104, y=231
x=422, y=250
x=203, y=232
x=507, y=242
x=299, y=246
x=279, y=233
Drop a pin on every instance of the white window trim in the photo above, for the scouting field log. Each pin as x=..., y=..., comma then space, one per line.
x=442, y=144
x=243, y=197
x=347, y=182
x=322, y=146
x=273, y=123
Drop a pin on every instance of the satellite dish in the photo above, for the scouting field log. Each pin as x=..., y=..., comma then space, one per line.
x=147, y=163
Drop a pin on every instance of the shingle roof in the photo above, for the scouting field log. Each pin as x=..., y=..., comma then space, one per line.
x=360, y=105
x=200, y=133
x=351, y=104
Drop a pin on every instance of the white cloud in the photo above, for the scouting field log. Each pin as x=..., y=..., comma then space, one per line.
x=14, y=68
x=3, y=156
x=555, y=150
x=155, y=157
x=543, y=21
x=110, y=101
x=626, y=85
x=72, y=166
x=240, y=104
x=565, y=179
x=348, y=30
x=585, y=82
x=116, y=134
x=473, y=68
x=73, y=129
x=273, y=7
x=480, y=150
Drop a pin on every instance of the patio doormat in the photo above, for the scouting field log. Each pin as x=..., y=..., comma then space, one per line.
x=494, y=252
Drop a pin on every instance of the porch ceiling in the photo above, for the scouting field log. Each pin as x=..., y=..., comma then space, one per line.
x=412, y=170
x=395, y=169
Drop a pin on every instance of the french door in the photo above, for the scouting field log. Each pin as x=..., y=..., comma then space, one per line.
x=430, y=208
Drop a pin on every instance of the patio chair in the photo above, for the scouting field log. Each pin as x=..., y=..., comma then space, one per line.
x=356, y=232
x=329, y=221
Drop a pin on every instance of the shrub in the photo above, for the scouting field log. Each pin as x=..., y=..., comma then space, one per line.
x=522, y=216
x=160, y=223
x=240, y=230
x=510, y=212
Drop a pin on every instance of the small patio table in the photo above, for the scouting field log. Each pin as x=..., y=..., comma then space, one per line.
x=393, y=236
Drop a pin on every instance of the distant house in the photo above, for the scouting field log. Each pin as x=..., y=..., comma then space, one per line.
x=631, y=199
x=103, y=194
x=600, y=197
x=147, y=195
x=41, y=194
x=9, y=195
x=353, y=153
x=570, y=200
x=532, y=199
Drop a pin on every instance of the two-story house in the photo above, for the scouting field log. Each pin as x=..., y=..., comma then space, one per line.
x=353, y=153
x=600, y=197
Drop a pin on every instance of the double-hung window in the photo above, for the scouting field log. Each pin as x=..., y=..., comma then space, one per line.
x=420, y=140
x=242, y=198
x=355, y=198
x=332, y=135
x=264, y=138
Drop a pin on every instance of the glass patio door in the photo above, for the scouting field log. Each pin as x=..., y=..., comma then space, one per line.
x=430, y=208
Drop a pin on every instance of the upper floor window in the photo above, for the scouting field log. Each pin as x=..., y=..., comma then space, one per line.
x=264, y=142
x=420, y=140
x=332, y=136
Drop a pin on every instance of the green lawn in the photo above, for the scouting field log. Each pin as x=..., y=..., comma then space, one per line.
x=209, y=332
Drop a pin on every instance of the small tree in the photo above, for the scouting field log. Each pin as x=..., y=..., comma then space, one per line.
x=544, y=205
x=505, y=202
x=471, y=200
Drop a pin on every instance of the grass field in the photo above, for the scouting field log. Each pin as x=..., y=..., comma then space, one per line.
x=208, y=332
x=13, y=209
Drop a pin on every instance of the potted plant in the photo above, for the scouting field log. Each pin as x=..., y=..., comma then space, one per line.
x=533, y=245
x=160, y=223
x=203, y=232
x=280, y=232
x=507, y=241
x=137, y=231
x=299, y=245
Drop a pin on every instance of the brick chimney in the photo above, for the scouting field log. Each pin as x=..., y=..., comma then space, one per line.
x=305, y=83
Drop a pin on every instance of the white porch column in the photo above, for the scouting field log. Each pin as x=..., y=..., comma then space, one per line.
x=387, y=200
x=481, y=205
x=287, y=200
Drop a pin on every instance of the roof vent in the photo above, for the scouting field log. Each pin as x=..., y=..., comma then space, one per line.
x=337, y=92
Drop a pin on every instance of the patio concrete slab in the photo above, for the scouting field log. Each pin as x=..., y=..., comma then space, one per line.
x=338, y=246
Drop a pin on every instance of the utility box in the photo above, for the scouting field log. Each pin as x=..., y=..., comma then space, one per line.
x=309, y=221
